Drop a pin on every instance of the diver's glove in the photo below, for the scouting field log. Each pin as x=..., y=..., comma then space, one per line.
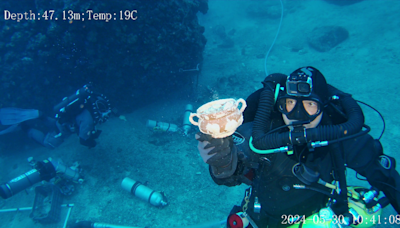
x=90, y=142
x=96, y=134
x=220, y=154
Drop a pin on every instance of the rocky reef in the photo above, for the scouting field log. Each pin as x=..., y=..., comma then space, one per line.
x=147, y=50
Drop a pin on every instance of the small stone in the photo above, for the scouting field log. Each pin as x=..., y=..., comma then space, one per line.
x=325, y=38
x=121, y=117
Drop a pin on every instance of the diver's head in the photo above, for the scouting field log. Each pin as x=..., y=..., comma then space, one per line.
x=303, y=97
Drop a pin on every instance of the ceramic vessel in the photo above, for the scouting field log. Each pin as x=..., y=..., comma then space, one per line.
x=219, y=118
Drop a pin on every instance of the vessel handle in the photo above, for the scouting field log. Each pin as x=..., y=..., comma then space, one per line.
x=191, y=119
x=244, y=105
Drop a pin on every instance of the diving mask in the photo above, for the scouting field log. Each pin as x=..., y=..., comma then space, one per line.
x=300, y=108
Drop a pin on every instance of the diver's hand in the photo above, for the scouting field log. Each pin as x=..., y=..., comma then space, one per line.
x=215, y=152
x=220, y=154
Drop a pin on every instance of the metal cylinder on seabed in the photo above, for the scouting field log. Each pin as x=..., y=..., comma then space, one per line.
x=20, y=183
x=186, y=122
x=161, y=126
x=143, y=192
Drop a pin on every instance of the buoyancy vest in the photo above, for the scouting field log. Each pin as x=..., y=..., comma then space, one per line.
x=272, y=184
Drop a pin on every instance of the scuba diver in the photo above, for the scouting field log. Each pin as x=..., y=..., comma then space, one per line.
x=78, y=113
x=298, y=137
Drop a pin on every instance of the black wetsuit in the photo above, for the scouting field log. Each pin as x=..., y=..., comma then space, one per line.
x=272, y=179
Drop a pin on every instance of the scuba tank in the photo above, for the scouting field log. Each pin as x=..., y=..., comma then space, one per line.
x=143, y=192
x=186, y=121
x=162, y=126
x=70, y=106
